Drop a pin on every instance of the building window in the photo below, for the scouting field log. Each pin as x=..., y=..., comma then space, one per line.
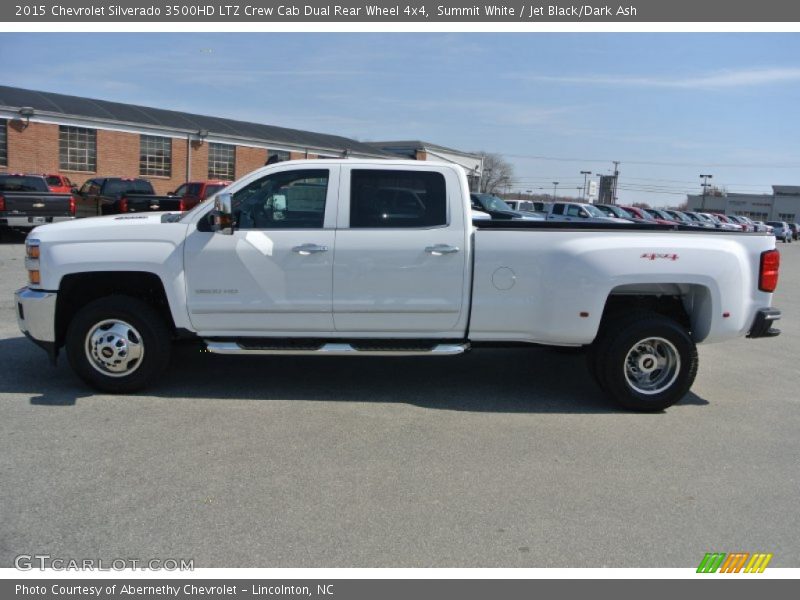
x=788, y=217
x=155, y=156
x=221, y=161
x=3, y=143
x=276, y=156
x=77, y=149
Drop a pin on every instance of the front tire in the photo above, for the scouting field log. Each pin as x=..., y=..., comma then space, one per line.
x=118, y=344
x=646, y=362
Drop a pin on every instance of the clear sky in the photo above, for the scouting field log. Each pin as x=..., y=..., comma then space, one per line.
x=668, y=106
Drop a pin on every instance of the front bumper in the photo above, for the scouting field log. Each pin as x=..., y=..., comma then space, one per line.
x=762, y=324
x=36, y=317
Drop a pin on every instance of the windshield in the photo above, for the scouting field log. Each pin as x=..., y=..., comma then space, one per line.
x=594, y=211
x=615, y=211
x=644, y=215
x=490, y=202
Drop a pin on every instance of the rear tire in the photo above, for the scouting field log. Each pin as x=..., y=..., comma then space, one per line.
x=646, y=362
x=118, y=344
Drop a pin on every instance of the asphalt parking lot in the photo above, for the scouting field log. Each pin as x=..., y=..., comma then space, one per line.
x=502, y=458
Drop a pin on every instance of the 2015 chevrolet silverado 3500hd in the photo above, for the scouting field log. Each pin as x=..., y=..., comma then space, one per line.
x=370, y=257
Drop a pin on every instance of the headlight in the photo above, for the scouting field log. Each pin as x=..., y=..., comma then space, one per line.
x=32, y=261
x=32, y=249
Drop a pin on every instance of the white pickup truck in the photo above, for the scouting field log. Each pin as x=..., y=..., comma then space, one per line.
x=360, y=258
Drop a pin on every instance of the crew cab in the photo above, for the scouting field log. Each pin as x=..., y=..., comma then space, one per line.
x=26, y=201
x=116, y=195
x=193, y=193
x=328, y=257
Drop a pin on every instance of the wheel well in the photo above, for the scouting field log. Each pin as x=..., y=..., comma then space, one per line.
x=78, y=289
x=668, y=305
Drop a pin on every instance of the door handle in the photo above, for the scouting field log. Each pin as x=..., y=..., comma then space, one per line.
x=306, y=249
x=440, y=249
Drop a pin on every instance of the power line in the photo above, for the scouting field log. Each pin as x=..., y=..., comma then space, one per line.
x=660, y=163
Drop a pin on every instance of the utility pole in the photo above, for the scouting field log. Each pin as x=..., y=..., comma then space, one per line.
x=555, y=187
x=705, y=185
x=616, y=179
x=580, y=191
x=585, y=178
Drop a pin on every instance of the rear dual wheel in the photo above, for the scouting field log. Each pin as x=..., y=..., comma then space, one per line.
x=644, y=361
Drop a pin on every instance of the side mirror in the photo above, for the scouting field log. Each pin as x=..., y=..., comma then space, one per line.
x=583, y=214
x=223, y=214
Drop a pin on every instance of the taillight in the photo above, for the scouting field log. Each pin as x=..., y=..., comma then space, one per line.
x=768, y=270
x=72, y=206
x=123, y=205
x=2, y=202
x=182, y=205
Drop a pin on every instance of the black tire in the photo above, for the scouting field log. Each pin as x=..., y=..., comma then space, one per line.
x=653, y=338
x=127, y=319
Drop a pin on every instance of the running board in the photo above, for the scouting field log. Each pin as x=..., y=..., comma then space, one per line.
x=338, y=349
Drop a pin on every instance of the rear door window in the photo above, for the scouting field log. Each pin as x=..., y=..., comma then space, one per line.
x=397, y=199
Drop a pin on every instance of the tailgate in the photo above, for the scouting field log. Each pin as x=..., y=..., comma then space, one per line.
x=36, y=204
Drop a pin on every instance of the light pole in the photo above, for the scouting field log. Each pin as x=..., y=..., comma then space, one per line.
x=705, y=185
x=579, y=188
x=585, y=178
x=555, y=188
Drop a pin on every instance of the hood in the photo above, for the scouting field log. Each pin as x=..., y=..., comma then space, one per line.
x=149, y=225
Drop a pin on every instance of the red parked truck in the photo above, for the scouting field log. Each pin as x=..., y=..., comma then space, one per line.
x=60, y=184
x=193, y=193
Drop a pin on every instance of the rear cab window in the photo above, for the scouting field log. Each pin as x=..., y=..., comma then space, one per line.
x=128, y=186
x=22, y=183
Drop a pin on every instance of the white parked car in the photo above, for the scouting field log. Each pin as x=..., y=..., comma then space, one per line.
x=332, y=257
x=781, y=231
x=580, y=212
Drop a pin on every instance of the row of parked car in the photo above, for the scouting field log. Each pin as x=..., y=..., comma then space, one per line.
x=497, y=208
x=28, y=200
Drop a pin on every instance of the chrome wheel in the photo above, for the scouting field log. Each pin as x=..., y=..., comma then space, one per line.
x=114, y=348
x=652, y=365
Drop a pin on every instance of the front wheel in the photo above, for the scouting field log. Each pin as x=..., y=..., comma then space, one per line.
x=118, y=344
x=646, y=362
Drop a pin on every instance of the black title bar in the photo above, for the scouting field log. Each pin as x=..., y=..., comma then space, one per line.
x=391, y=11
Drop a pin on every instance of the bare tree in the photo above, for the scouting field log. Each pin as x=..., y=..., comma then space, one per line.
x=498, y=173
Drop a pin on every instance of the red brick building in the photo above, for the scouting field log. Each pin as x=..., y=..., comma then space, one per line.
x=43, y=132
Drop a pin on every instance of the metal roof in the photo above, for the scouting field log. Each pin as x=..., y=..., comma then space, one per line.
x=786, y=190
x=411, y=146
x=117, y=112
